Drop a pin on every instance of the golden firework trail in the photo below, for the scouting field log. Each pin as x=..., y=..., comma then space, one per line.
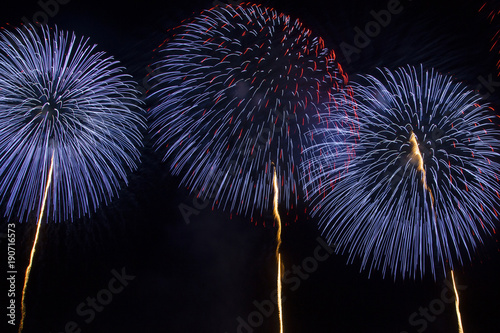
x=33, y=249
x=278, y=255
x=420, y=162
x=457, y=303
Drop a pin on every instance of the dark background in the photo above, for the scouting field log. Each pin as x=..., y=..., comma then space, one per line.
x=203, y=275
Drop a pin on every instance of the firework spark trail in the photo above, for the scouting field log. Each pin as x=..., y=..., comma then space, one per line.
x=491, y=11
x=457, y=304
x=417, y=154
x=35, y=241
x=366, y=186
x=278, y=255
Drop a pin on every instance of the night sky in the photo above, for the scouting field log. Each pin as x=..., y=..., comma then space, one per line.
x=213, y=272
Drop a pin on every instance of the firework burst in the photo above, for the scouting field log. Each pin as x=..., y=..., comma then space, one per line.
x=414, y=181
x=236, y=86
x=61, y=98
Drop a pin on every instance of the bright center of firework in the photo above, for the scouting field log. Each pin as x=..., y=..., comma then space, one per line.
x=49, y=107
x=417, y=156
x=49, y=111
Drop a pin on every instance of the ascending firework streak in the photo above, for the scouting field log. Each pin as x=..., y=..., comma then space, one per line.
x=69, y=128
x=278, y=254
x=236, y=86
x=457, y=304
x=414, y=181
x=32, y=254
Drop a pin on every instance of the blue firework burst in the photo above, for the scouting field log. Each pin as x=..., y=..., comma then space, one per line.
x=413, y=182
x=236, y=85
x=61, y=97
